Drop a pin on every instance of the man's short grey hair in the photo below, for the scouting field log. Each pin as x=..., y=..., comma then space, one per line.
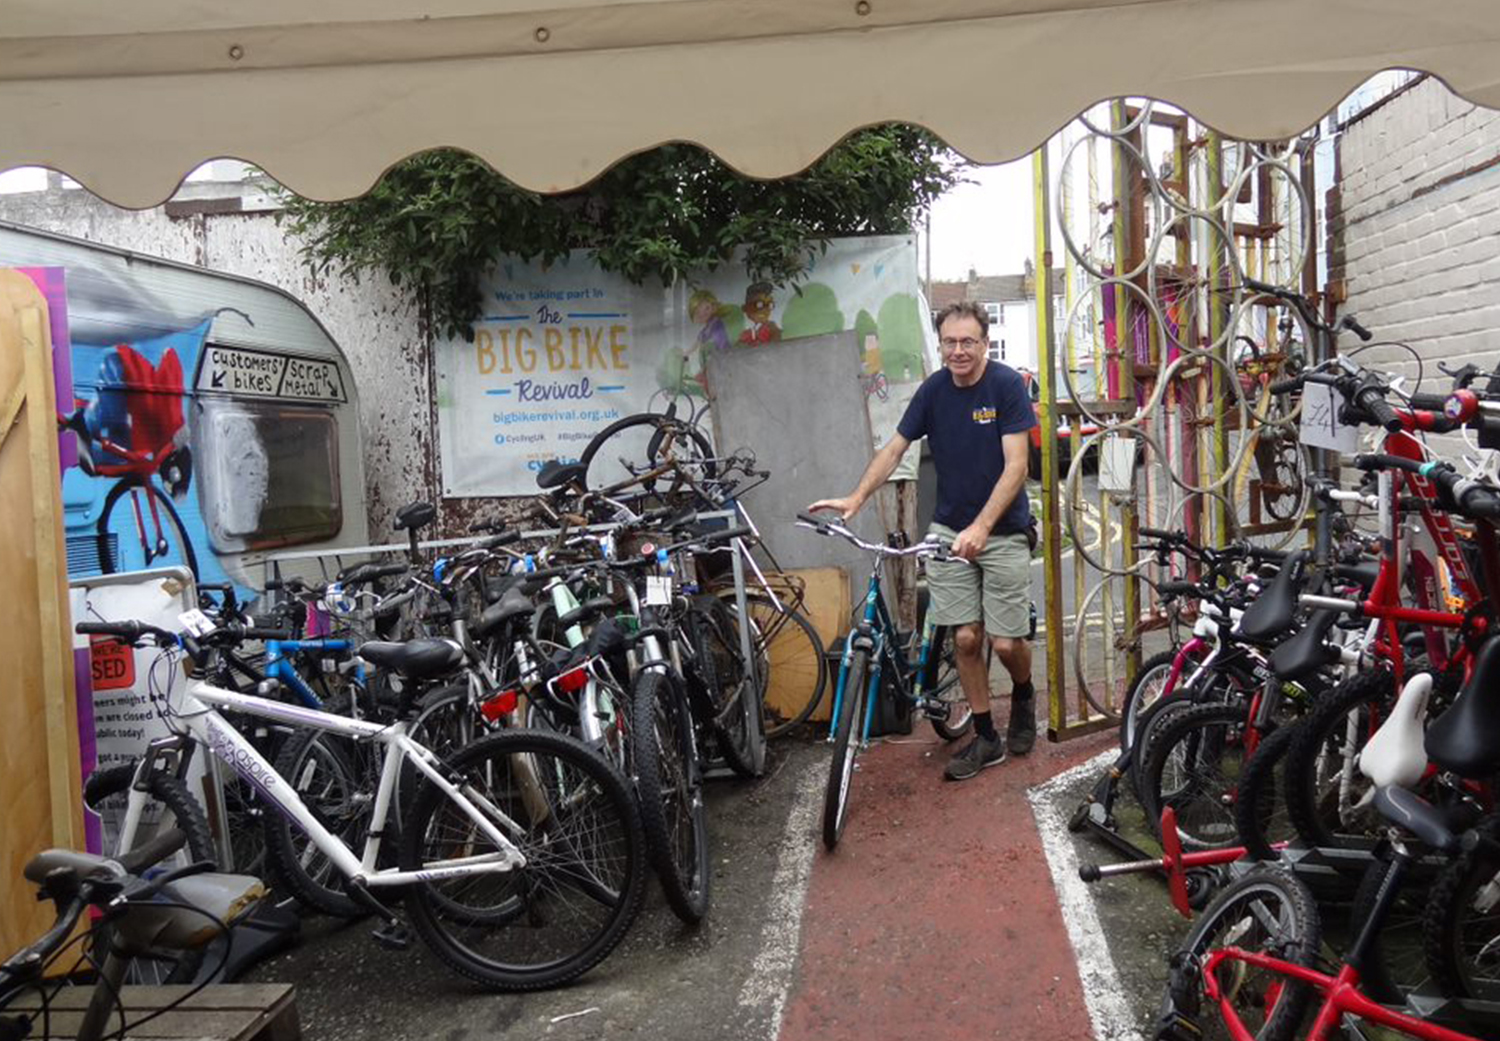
x=964, y=309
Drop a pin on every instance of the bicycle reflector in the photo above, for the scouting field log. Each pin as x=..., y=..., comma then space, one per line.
x=574, y=680
x=502, y=704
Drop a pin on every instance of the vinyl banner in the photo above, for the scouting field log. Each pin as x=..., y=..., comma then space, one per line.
x=564, y=350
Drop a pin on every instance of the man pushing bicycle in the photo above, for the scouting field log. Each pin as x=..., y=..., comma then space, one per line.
x=976, y=416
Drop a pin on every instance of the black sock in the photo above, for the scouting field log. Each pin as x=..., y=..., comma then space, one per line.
x=1023, y=691
x=984, y=725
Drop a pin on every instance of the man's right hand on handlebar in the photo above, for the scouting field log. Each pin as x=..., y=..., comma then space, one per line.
x=847, y=506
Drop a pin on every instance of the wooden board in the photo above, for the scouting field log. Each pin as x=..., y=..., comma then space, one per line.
x=222, y=1012
x=39, y=768
x=827, y=606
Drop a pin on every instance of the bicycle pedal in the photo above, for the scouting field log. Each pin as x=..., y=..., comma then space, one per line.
x=393, y=936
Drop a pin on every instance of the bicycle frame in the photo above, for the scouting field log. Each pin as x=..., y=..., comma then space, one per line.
x=195, y=712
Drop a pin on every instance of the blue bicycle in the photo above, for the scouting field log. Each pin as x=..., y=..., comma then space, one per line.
x=918, y=669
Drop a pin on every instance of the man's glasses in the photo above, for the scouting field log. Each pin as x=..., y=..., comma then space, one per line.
x=969, y=344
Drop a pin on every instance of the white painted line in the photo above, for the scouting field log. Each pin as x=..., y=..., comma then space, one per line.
x=1109, y=1008
x=770, y=979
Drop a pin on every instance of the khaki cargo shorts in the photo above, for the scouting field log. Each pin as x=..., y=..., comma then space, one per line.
x=995, y=588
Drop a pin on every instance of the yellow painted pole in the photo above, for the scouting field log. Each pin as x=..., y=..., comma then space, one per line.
x=1047, y=418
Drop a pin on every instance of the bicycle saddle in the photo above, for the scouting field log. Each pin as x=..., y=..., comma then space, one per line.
x=1417, y=816
x=555, y=473
x=585, y=612
x=1466, y=738
x=1275, y=610
x=513, y=604
x=1394, y=754
x=423, y=659
x=1305, y=652
x=415, y=515
x=83, y=865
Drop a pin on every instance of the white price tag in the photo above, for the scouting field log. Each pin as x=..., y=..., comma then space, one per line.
x=195, y=622
x=1320, y=420
x=658, y=590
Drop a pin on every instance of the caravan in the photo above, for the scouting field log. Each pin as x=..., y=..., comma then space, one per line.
x=213, y=420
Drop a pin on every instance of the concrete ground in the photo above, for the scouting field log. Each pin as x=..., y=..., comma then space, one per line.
x=948, y=910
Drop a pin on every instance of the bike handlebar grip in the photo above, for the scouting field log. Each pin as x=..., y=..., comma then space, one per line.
x=1428, y=402
x=1370, y=399
x=744, y=531
x=1359, y=330
x=130, y=631
x=1388, y=462
x=1477, y=500
x=154, y=852
x=1178, y=589
x=1089, y=872
x=1158, y=533
x=1274, y=556
x=1260, y=287
x=1286, y=386
x=255, y=632
x=813, y=519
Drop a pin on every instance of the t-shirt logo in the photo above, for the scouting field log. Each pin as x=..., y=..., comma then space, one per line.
x=985, y=414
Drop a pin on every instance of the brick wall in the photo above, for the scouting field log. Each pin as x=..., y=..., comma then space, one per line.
x=1417, y=230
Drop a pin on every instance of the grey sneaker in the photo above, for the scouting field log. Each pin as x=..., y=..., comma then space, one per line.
x=1020, y=733
x=976, y=755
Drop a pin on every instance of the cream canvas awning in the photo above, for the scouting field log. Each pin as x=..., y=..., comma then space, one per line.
x=325, y=94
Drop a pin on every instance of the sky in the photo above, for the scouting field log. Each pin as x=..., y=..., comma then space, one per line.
x=986, y=225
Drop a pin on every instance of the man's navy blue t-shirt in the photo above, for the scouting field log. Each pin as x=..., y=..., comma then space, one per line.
x=963, y=427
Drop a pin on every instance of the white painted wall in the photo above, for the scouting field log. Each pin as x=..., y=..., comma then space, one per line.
x=1422, y=230
x=375, y=324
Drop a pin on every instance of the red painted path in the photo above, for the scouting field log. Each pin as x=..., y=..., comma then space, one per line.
x=936, y=917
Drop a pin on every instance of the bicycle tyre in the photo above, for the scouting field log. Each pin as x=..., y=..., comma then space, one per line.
x=1241, y=916
x=1260, y=814
x=1155, y=669
x=670, y=788
x=101, y=527
x=1395, y=961
x=594, y=476
x=567, y=803
x=1206, y=745
x=738, y=720
x=845, y=749
x=1157, y=712
x=1321, y=739
x=187, y=813
x=947, y=690
x=333, y=777
x=1462, y=916
x=784, y=638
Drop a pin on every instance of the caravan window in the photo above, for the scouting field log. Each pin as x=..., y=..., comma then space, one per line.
x=270, y=473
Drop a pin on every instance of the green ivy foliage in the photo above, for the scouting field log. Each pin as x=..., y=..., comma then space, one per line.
x=438, y=221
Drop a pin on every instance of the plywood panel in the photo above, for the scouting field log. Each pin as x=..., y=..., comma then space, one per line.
x=39, y=770
x=827, y=606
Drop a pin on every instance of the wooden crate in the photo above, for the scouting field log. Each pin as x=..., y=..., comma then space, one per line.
x=222, y=1012
x=827, y=606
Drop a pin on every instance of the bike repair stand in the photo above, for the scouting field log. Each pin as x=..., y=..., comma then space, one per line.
x=1096, y=813
x=1190, y=877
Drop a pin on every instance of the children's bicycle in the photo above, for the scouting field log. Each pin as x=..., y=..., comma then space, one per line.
x=919, y=668
x=521, y=856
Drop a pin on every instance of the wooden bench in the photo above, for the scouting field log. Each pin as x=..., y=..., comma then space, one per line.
x=222, y=1012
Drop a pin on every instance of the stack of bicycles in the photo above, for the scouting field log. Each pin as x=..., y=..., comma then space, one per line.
x=1326, y=744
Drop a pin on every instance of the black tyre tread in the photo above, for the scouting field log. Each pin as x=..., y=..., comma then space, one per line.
x=1283, y=1023
x=1127, y=704
x=1157, y=712
x=709, y=623
x=687, y=897
x=281, y=856
x=1443, y=914
x=942, y=643
x=1258, y=795
x=1301, y=758
x=611, y=784
x=1164, y=738
x=845, y=747
x=641, y=419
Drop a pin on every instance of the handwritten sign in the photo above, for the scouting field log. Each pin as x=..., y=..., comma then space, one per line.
x=1320, y=420
x=267, y=374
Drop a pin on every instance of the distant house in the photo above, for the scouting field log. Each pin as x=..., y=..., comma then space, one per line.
x=1010, y=301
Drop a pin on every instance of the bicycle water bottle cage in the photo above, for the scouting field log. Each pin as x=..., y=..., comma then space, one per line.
x=556, y=474
x=1466, y=738
x=1275, y=610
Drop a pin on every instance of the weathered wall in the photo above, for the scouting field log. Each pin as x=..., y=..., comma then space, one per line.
x=1417, y=222
x=376, y=324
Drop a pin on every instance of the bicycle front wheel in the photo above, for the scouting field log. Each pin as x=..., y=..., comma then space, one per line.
x=1193, y=765
x=738, y=722
x=667, y=779
x=791, y=664
x=846, y=738
x=570, y=814
x=944, y=689
x=637, y=443
x=1266, y=912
